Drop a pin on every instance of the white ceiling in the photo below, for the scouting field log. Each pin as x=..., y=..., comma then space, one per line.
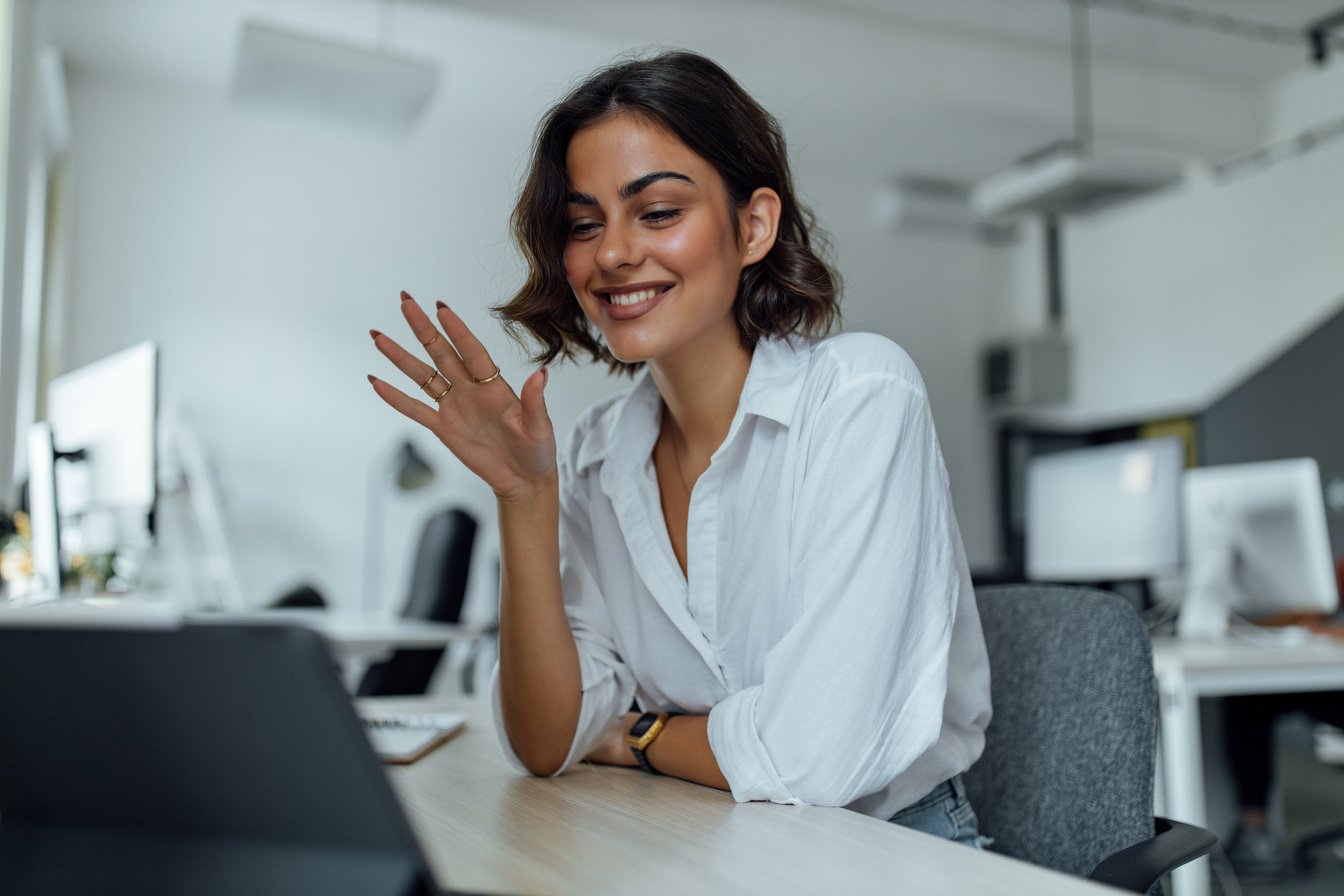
x=1120, y=35
x=903, y=72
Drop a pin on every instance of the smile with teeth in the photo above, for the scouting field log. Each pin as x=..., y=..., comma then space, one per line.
x=631, y=298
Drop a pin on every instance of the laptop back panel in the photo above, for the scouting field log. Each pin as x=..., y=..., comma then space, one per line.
x=205, y=759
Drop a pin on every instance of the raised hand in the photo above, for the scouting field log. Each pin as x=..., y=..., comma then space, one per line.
x=505, y=439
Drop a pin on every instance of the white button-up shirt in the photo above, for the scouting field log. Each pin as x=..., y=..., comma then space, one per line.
x=826, y=621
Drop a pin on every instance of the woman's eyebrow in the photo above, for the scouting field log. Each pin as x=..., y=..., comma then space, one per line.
x=640, y=183
x=631, y=189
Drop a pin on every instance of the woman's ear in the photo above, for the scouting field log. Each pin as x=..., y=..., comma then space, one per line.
x=758, y=223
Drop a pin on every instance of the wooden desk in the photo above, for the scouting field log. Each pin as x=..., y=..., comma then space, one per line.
x=606, y=830
x=1189, y=670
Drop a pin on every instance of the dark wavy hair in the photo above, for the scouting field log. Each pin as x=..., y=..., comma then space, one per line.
x=791, y=290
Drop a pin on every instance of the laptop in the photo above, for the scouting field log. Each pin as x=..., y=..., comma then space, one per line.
x=202, y=759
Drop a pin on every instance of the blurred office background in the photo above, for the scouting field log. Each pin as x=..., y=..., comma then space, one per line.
x=151, y=193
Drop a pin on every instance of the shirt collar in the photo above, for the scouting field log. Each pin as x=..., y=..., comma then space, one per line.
x=624, y=440
x=775, y=379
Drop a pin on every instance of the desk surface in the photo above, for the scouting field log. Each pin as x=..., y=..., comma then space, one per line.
x=1239, y=666
x=1188, y=670
x=607, y=830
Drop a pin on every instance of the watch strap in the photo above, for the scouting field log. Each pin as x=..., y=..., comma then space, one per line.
x=641, y=736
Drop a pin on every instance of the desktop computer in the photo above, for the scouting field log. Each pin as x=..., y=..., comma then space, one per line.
x=43, y=520
x=92, y=464
x=1258, y=544
x=1107, y=513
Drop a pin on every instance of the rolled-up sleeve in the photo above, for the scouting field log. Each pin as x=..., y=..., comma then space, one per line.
x=854, y=692
x=608, y=685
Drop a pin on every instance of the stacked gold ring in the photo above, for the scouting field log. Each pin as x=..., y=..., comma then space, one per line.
x=424, y=387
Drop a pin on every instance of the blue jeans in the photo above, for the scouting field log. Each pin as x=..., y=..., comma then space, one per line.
x=944, y=812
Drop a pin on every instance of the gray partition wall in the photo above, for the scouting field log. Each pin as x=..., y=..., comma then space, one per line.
x=1293, y=407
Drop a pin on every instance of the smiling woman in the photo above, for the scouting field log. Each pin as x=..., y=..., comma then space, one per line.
x=755, y=545
x=654, y=258
x=688, y=106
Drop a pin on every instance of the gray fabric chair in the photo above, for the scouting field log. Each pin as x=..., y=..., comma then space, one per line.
x=1066, y=779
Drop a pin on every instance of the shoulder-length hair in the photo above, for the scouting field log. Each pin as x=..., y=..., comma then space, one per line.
x=790, y=291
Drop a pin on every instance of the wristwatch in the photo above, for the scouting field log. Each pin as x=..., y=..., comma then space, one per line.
x=642, y=735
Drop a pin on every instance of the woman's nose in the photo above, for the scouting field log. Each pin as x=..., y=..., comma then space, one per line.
x=618, y=247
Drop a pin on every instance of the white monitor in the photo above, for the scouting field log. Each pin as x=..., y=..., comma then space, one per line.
x=1258, y=544
x=42, y=518
x=1105, y=513
x=102, y=418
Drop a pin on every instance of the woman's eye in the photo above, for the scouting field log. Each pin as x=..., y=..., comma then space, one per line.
x=662, y=215
x=582, y=229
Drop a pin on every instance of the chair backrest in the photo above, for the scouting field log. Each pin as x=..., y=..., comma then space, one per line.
x=1066, y=778
x=438, y=590
x=442, y=562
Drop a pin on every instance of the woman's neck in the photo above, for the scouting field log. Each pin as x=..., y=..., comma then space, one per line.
x=700, y=395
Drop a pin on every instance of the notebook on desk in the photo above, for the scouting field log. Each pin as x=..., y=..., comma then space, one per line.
x=202, y=760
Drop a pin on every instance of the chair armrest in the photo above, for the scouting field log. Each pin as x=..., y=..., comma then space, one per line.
x=1136, y=868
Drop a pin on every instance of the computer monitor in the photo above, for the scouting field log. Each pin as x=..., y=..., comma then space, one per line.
x=103, y=422
x=1105, y=513
x=43, y=522
x=1257, y=542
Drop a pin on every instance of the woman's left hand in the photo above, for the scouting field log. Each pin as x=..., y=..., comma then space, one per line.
x=612, y=749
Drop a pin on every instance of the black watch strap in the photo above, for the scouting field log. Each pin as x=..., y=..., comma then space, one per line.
x=642, y=735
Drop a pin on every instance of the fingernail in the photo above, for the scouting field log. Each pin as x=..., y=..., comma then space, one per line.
x=440, y=305
x=374, y=334
x=405, y=296
x=372, y=379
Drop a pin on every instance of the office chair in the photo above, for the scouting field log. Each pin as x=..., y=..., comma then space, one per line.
x=1329, y=749
x=1066, y=778
x=438, y=590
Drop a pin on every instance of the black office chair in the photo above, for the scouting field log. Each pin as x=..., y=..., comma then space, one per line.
x=1066, y=779
x=438, y=590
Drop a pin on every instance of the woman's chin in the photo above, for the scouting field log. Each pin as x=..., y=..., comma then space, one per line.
x=631, y=352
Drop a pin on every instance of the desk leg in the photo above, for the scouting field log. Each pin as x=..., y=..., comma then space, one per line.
x=1183, y=773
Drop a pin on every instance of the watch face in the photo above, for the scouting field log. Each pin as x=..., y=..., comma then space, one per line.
x=642, y=724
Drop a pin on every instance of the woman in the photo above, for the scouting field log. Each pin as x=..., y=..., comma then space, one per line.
x=755, y=545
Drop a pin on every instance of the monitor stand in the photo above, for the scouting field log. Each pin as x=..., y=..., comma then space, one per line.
x=1204, y=613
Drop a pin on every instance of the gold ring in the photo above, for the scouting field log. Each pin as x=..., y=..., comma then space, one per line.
x=432, y=341
x=489, y=378
x=430, y=380
x=439, y=397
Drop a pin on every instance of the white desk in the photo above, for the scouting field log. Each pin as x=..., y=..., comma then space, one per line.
x=1189, y=670
x=350, y=636
x=599, y=830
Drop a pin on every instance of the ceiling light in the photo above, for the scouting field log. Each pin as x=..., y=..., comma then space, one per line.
x=1074, y=176
x=1066, y=179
